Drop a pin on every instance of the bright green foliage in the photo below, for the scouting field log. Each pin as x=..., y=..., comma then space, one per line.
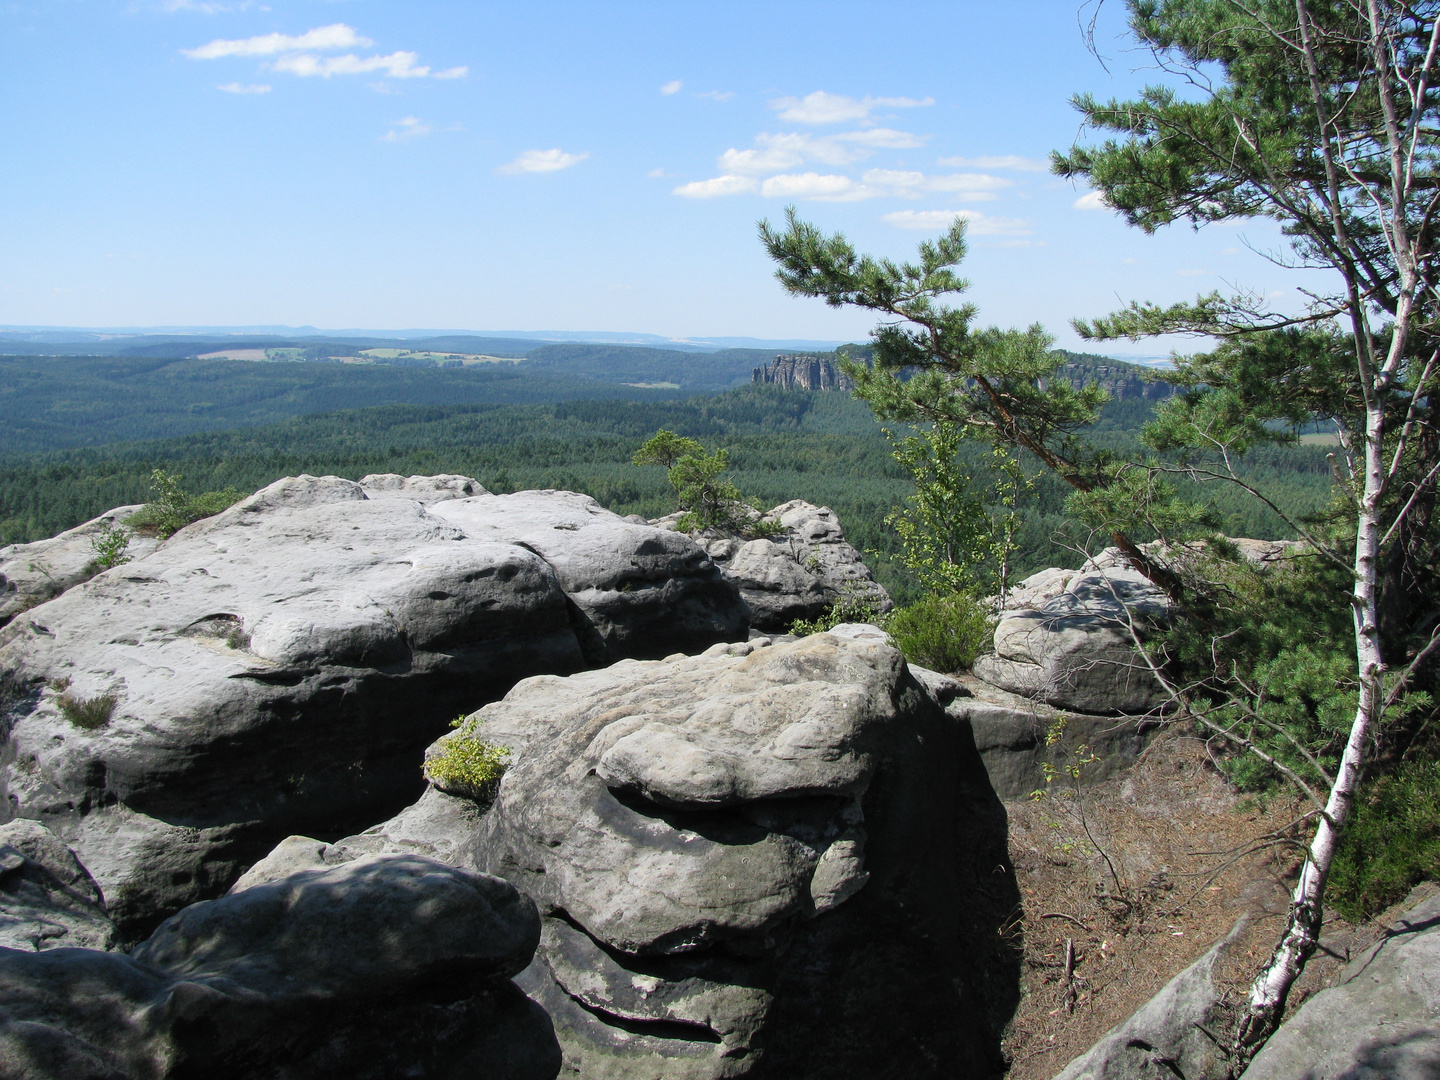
x=944, y=631
x=171, y=509
x=949, y=537
x=1391, y=844
x=710, y=500
x=468, y=764
x=109, y=545
x=850, y=608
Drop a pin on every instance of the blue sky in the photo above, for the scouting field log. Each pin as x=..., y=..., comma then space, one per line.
x=557, y=165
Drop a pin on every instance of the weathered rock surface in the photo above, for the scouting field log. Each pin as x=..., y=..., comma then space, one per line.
x=279, y=667
x=1380, y=1020
x=1018, y=737
x=1075, y=649
x=47, y=900
x=30, y=574
x=778, y=860
x=1172, y=1035
x=384, y=967
x=803, y=373
x=800, y=572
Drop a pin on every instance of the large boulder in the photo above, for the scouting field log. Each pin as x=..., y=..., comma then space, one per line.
x=388, y=966
x=1381, y=1021
x=779, y=860
x=30, y=574
x=1076, y=649
x=799, y=572
x=279, y=668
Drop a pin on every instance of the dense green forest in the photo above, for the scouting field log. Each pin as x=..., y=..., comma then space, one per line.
x=825, y=447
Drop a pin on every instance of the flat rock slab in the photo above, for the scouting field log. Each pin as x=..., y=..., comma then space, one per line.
x=278, y=668
x=748, y=860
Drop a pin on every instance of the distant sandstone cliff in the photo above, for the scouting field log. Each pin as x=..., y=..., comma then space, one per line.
x=1121, y=380
x=803, y=373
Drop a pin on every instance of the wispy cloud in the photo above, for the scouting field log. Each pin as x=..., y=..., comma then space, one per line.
x=396, y=65
x=720, y=185
x=672, y=87
x=821, y=108
x=208, y=7
x=1091, y=201
x=407, y=128
x=786, y=150
x=322, y=38
x=245, y=88
x=977, y=224
x=915, y=184
x=295, y=54
x=809, y=185
x=744, y=166
x=542, y=161
x=716, y=95
x=1004, y=161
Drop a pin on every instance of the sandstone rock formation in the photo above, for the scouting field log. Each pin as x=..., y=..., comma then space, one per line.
x=30, y=574
x=803, y=373
x=798, y=573
x=768, y=859
x=1017, y=737
x=384, y=967
x=1067, y=639
x=47, y=899
x=279, y=667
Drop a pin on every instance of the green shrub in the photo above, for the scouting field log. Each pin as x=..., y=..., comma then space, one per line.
x=172, y=509
x=850, y=608
x=467, y=764
x=944, y=631
x=109, y=545
x=87, y=713
x=1391, y=843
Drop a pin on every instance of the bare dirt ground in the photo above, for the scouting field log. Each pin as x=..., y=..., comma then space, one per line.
x=1126, y=883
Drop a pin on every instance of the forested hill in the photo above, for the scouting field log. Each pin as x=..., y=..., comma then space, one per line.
x=50, y=404
x=822, y=446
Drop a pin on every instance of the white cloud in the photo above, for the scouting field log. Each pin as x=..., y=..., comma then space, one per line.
x=914, y=184
x=884, y=138
x=716, y=187
x=407, y=128
x=296, y=55
x=716, y=95
x=542, y=161
x=1092, y=201
x=323, y=38
x=1004, y=161
x=208, y=7
x=759, y=161
x=978, y=224
x=245, y=88
x=822, y=108
x=656, y=173
x=672, y=87
x=397, y=65
x=809, y=185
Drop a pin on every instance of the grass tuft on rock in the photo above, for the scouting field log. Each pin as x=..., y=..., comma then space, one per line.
x=87, y=713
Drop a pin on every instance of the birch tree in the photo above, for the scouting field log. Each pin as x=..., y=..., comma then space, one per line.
x=1321, y=115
